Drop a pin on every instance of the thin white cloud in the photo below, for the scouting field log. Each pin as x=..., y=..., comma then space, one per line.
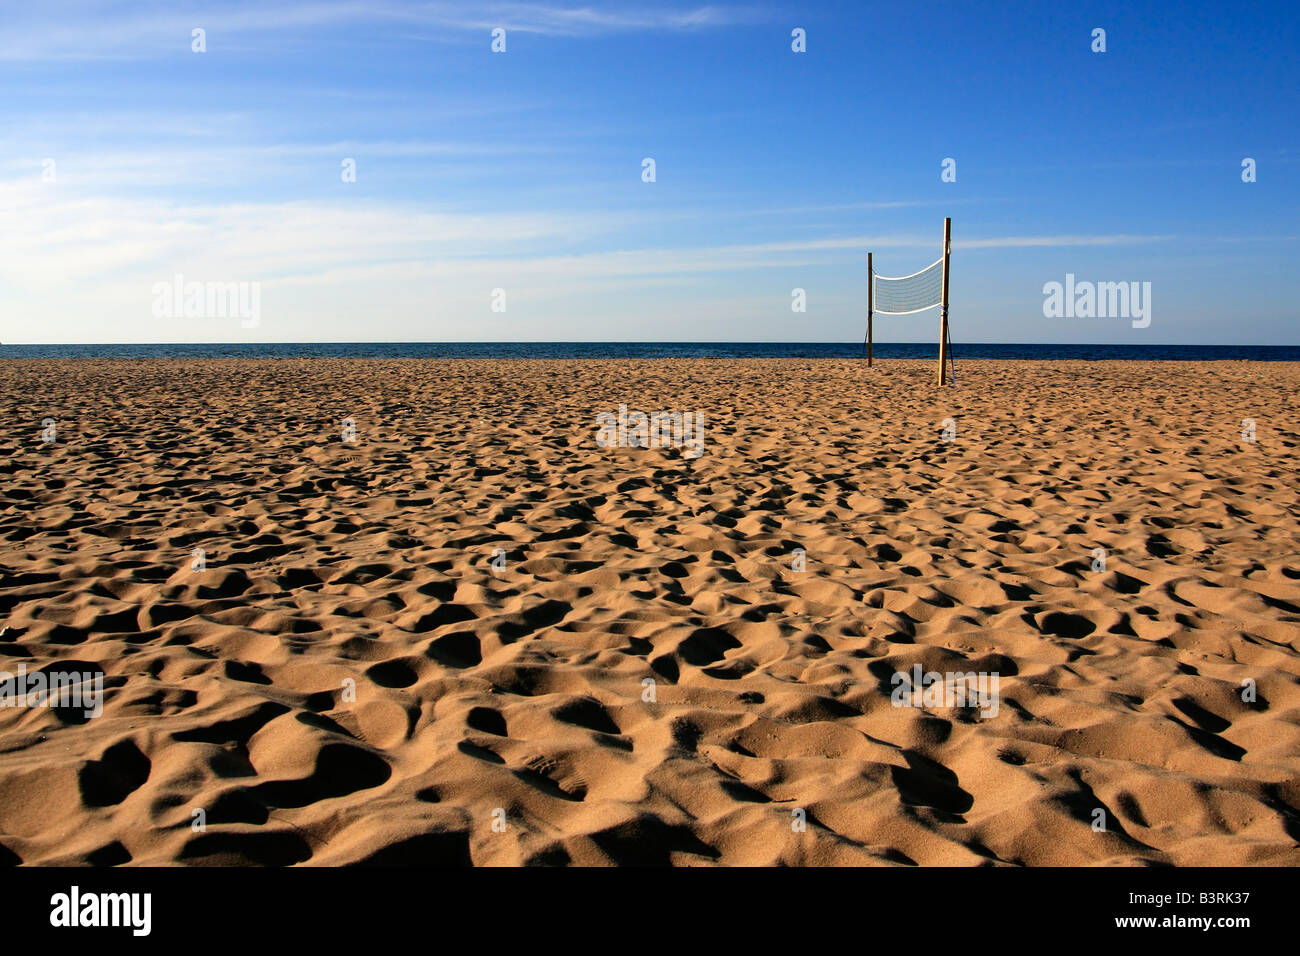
x=212, y=164
x=97, y=30
x=1025, y=242
x=68, y=236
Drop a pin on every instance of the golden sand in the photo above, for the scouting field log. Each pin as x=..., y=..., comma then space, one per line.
x=474, y=635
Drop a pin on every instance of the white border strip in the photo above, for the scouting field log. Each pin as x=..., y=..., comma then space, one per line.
x=908, y=312
x=916, y=273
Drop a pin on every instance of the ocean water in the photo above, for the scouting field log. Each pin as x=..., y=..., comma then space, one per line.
x=651, y=350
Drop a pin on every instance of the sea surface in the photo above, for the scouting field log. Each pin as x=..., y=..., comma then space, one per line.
x=652, y=350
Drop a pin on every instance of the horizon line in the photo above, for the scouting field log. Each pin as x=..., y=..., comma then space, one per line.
x=654, y=342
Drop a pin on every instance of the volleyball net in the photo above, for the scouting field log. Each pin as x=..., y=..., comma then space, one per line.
x=905, y=295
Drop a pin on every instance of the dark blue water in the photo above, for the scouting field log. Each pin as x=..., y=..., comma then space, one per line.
x=626, y=350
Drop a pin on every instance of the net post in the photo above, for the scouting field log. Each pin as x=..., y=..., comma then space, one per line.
x=943, y=304
x=870, y=303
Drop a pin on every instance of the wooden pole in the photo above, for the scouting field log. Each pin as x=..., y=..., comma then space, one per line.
x=870, y=303
x=943, y=305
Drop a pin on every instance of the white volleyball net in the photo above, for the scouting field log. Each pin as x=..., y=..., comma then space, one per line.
x=902, y=295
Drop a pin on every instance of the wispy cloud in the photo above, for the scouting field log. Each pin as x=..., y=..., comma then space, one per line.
x=1025, y=242
x=55, y=30
x=308, y=165
x=68, y=235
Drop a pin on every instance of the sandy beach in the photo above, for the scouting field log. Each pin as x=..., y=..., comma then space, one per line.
x=352, y=611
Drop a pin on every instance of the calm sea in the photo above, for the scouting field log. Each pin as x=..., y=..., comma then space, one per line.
x=633, y=350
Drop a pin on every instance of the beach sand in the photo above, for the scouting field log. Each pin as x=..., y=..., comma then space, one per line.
x=644, y=676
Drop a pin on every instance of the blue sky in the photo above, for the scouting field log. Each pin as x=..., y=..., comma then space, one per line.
x=522, y=170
